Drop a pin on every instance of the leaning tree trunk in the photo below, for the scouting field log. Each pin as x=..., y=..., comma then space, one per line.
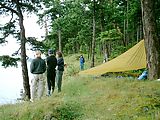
x=23, y=56
x=152, y=42
x=93, y=37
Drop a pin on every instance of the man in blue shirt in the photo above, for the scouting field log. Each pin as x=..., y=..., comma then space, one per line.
x=82, y=61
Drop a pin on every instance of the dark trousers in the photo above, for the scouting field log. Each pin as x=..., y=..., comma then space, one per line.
x=59, y=79
x=51, y=80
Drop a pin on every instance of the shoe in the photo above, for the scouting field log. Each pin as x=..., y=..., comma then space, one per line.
x=49, y=93
x=59, y=90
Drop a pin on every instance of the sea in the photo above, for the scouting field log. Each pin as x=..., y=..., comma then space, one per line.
x=11, y=83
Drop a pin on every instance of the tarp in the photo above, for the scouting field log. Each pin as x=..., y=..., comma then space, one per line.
x=133, y=59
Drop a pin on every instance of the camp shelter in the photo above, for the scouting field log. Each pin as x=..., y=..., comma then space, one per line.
x=133, y=59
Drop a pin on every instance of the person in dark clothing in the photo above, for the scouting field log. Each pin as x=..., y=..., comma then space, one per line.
x=82, y=61
x=60, y=69
x=51, y=71
x=37, y=68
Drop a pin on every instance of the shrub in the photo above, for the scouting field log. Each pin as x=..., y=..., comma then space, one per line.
x=69, y=111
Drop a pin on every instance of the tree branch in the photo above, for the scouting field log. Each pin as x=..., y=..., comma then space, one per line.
x=11, y=18
x=8, y=8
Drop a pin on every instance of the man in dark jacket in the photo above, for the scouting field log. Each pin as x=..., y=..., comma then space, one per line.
x=51, y=71
x=37, y=68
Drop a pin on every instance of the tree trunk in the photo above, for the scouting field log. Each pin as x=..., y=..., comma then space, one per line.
x=46, y=26
x=138, y=32
x=88, y=53
x=124, y=32
x=102, y=21
x=93, y=37
x=127, y=26
x=102, y=16
x=152, y=43
x=141, y=29
x=60, y=40
x=23, y=55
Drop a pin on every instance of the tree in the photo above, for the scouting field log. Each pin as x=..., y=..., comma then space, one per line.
x=68, y=25
x=152, y=43
x=15, y=9
x=94, y=33
x=54, y=14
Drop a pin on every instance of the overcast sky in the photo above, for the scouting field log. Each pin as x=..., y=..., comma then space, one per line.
x=32, y=29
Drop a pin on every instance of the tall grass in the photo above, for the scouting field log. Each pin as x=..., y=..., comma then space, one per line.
x=91, y=98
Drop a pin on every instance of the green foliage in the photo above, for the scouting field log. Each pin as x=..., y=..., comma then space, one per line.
x=117, y=51
x=72, y=64
x=74, y=19
x=70, y=111
x=6, y=30
x=36, y=44
x=68, y=16
x=110, y=35
x=72, y=70
x=9, y=61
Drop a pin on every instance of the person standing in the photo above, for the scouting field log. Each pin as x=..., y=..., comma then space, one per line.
x=37, y=68
x=82, y=61
x=60, y=69
x=51, y=71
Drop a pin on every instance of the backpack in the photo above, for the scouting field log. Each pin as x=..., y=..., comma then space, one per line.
x=83, y=60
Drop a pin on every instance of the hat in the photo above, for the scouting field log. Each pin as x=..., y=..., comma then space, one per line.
x=50, y=51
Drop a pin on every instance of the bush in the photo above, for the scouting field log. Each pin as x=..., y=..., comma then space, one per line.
x=72, y=70
x=69, y=111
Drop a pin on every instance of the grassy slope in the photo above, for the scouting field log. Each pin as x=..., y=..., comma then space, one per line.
x=89, y=98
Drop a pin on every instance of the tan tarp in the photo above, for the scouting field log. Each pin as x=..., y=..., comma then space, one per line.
x=133, y=59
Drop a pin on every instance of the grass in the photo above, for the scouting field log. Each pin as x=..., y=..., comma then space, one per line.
x=92, y=98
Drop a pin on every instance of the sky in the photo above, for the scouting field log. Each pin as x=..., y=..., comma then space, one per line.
x=32, y=29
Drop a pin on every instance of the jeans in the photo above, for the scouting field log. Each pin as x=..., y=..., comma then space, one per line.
x=59, y=79
x=51, y=80
x=81, y=66
x=37, y=86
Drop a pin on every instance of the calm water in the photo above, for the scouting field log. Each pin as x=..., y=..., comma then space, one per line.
x=11, y=83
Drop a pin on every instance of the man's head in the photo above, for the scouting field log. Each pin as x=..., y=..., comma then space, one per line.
x=59, y=54
x=38, y=53
x=50, y=52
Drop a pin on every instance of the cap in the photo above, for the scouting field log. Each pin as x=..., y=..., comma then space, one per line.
x=50, y=51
